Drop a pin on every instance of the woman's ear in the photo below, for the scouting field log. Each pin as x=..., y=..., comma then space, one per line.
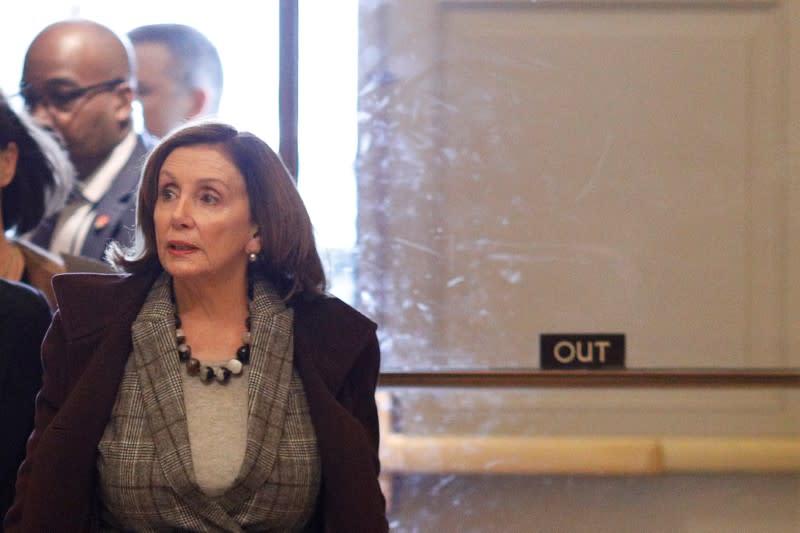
x=254, y=244
x=8, y=163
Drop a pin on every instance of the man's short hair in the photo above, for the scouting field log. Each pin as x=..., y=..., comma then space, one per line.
x=193, y=52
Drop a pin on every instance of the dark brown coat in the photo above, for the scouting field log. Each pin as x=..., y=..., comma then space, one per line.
x=84, y=356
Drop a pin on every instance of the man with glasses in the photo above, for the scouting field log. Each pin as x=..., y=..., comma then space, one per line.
x=78, y=81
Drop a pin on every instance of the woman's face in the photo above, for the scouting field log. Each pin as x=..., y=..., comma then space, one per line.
x=202, y=216
x=8, y=163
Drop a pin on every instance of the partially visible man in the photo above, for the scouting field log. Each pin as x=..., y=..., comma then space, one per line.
x=78, y=80
x=179, y=73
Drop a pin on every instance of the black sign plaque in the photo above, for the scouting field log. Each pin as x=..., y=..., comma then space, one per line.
x=581, y=350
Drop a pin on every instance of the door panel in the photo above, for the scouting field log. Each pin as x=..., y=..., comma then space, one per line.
x=579, y=167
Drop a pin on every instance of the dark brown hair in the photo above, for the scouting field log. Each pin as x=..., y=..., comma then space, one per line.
x=288, y=255
x=23, y=200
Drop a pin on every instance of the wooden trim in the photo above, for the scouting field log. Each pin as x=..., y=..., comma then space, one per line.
x=404, y=453
x=469, y=454
x=729, y=454
x=650, y=378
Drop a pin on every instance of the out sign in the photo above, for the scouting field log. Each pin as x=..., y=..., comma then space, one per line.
x=585, y=350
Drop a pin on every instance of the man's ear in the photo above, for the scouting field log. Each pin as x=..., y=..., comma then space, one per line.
x=124, y=102
x=197, y=105
x=8, y=163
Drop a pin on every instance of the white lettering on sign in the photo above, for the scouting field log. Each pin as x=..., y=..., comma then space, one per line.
x=565, y=351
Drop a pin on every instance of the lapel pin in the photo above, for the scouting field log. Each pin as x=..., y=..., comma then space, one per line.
x=101, y=221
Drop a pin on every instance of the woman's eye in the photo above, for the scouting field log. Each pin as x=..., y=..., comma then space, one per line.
x=167, y=193
x=209, y=198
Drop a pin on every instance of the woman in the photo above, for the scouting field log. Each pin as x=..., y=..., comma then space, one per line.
x=34, y=172
x=35, y=178
x=213, y=387
x=24, y=317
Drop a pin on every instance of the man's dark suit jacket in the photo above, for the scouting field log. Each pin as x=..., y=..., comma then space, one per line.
x=84, y=355
x=115, y=212
x=24, y=317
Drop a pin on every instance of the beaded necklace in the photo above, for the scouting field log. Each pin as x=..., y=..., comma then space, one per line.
x=207, y=373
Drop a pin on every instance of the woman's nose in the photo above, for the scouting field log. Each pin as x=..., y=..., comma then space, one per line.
x=181, y=214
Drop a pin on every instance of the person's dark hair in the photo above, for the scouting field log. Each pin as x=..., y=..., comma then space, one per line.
x=24, y=200
x=196, y=56
x=288, y=254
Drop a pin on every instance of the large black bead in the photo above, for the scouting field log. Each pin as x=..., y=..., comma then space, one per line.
x=184, y=352
x=243, y=354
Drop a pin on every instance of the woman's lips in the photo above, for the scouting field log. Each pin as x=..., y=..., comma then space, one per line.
x=180, y=247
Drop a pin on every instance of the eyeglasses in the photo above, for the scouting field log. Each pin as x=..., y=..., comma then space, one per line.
x=63, y=100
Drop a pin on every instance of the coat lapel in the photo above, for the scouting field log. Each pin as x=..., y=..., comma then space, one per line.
x=67, y=448
x=268, y=389
x=158, y=368
x=160, y=382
